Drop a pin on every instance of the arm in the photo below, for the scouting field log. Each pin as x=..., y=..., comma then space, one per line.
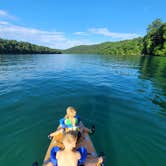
x=100, y=161
x=78, y=155
x=60, y=130
x=57, y=155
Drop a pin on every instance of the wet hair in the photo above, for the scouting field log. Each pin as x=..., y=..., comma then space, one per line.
x=70, y=136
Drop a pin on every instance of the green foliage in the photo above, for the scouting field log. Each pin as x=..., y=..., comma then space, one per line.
x=15, y=47
x=154, y=43
x=126, y=47
x=155, y=40
x=154, y=26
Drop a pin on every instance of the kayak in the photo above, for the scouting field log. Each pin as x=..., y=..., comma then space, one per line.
x=84, y=141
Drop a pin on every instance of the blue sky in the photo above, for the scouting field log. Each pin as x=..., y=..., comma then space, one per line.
x=66, y=23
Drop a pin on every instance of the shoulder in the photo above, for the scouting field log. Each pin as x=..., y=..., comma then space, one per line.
x=58, y=154
x=78, y=155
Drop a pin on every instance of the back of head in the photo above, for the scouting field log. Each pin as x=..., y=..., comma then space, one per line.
x=70, y=111
x=70, y=139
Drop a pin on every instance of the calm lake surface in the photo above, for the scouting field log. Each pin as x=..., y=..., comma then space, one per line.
x=125, y=97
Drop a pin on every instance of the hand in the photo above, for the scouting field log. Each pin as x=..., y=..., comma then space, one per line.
x=100, y=160
x=93, y=129
x=50, y=137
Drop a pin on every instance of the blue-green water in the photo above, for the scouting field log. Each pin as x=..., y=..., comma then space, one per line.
x=125, y=97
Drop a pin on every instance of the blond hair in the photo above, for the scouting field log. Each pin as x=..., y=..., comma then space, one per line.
x=70, y=137
x=69, y=110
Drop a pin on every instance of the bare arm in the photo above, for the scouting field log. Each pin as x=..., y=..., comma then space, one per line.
x=59, y=130
x=78, y=155
x=100, y=161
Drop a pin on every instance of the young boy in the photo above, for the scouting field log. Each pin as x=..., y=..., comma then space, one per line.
x=69, y=156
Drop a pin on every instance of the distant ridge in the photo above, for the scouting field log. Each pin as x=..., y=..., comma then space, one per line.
x=19, y=47
x=153, y=43
x=126, y=47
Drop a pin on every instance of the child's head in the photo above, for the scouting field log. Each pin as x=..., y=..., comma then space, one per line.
x=70, y=139
x=70, y=112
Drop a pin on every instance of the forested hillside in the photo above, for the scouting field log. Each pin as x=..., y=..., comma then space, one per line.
x=15, y=47
x=153, y=43
x=126, y=47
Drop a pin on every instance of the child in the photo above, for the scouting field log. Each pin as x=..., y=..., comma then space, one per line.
x=69, y=156
x=70, y=122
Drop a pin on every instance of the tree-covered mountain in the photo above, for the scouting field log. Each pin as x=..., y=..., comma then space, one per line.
x=15, y=47
x=126, y=47
x=153, y=43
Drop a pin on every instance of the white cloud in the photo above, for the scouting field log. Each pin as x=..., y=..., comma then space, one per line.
x=5, y=14
x=52, y=39
x=80, y=33
x=71, y=43
x=8, y=30
x=106, y=32
x=4, y=22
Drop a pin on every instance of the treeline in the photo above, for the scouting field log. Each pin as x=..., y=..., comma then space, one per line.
x=15, y=47
x=154, y=43
x=126, y=47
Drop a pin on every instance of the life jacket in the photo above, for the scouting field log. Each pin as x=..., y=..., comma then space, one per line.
x=67, y=124
x=55, y=149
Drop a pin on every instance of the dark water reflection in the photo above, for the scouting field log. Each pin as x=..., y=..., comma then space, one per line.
x=154, y=69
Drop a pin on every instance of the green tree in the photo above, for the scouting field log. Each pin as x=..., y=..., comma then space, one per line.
x=13, y=46
x=154, y=41
x=154, y=26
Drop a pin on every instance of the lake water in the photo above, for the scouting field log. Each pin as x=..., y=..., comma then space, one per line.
x=125, y=97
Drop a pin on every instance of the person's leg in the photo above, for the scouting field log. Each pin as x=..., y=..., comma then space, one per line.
x=86, y=130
